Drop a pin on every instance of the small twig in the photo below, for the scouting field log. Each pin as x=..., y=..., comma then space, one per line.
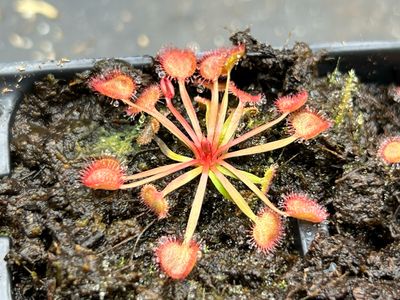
x=332, y=152
x=393, y=232
x=396, y=213
x=126, y=240
x=345, y=176
x=27, y=176
x=38, y=172
x=290, y=159
x=134, y=247
x=139, y=236
x=34, y=173
x=33, y=275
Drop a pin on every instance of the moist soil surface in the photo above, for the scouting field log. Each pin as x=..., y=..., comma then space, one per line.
x=70, y=242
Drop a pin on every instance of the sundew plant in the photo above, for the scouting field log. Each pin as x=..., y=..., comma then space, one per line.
x=211, y=138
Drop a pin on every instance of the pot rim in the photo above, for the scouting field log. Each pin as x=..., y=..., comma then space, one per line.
x=374, y=61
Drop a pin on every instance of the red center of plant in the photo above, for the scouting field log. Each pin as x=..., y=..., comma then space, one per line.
x=206, y=153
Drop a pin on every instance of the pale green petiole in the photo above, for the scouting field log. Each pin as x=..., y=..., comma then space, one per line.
x=169, y=153
x=223, y=108
x=252, y=177
x=218, y=185
x=182, y=180
x=253, y=187
x=261, y=148
x=169, y=171
x=196, y=207
x=235, y=195
x=251, y=133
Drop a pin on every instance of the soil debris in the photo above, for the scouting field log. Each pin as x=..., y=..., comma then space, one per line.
x=69, y=242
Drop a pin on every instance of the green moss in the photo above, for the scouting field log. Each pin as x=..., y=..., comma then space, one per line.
x=345, y=105
x=282, y=285
x=121, y=263
x=334, y=78
x=118, y=142
x=359, y=122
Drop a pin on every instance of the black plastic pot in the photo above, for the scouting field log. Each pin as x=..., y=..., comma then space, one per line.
x=373, y=62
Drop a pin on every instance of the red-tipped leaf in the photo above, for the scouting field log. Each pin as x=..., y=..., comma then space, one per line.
x=244, y=96
x=115, y=84
x=288, y=104
x=211, y=65
x=175, y=258
x=147, y=100
x=300, y=206
x=178, y=63
x=154, y=200
x=307, y=124
x=104, y=174
x=267, y=230
x=389, y=150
